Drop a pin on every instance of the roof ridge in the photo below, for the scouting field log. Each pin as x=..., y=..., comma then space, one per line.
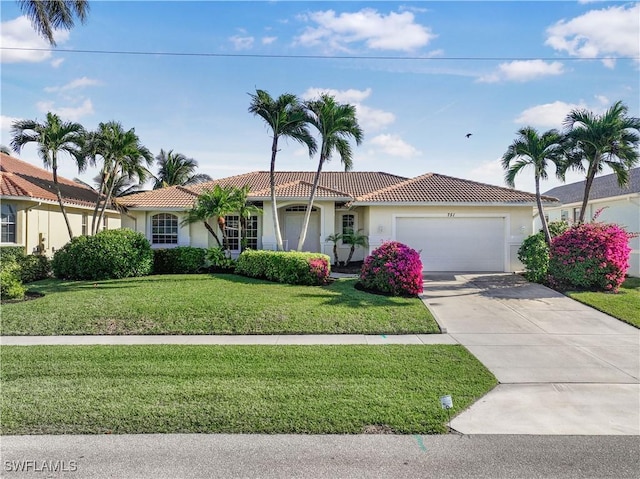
x=504, y=188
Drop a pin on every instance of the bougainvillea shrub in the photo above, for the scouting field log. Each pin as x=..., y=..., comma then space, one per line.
x=590, y=256
x=393, y=268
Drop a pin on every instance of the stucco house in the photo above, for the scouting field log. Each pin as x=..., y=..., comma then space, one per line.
x=621, y=206
x=456, y=224
x=31, y=216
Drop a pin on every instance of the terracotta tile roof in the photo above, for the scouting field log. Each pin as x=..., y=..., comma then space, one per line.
x=300, y=189
x=21, y=179
x=435, y=188
x=603, y=187
x=169, y=197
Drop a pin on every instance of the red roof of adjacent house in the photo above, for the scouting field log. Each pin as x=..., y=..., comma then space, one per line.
x=354, y=186
x=21, y=179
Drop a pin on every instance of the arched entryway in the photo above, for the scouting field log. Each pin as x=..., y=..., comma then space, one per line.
x=293, y=219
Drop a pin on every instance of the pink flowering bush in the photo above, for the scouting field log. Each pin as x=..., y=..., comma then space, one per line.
x=590, y=256
x=393, y=268
x=319, y=270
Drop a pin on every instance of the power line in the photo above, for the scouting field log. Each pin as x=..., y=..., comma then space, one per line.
x=306, y=57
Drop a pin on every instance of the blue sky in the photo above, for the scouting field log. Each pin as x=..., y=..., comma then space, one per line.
x=422, y=75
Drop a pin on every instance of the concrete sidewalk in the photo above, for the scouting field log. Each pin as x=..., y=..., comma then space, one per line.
x=564, y=367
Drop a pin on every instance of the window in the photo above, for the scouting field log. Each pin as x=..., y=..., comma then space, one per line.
x=85, y=222
x=564, y=215
x=576, y=215
x=8, y=223
x=164, y=229
x=348, y=224
x=250, y=232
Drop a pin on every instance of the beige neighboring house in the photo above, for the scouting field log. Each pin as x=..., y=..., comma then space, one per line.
x=456, y=224
x=31, y=216
x=621, y=206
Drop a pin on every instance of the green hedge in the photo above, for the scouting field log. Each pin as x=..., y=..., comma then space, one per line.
x=285, y=267
x=7, y=253
x=109, y=254
x=30, y=267
x=10, y=285
x=180, y=260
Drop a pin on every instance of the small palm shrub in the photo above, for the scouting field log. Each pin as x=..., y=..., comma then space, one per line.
x=108, y=254
x=11, y=286
x=590, y=256
x=393, y=268
x=288, y=267
x=217, y=260
x=180, y=260
x=534, y=253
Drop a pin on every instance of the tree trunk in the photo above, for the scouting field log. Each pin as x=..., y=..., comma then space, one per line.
x=221, y=225
x=97, y=208
x=272, y=183
x=591, y=173
x=351, y=251
x=335, y=253
x=307, y=214
x=213, y=233
x=543, y=220
x=108, y=198
x=54, y=168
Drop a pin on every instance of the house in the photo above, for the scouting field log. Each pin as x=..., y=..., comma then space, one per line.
x=31, y=216
x=456, y=224
x=621, y=206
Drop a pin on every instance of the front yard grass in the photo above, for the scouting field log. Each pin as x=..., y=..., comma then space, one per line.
x=235, y=389
x=625, y=305
x=210, y=304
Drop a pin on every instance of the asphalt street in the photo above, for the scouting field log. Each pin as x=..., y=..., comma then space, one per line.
x=304, y=456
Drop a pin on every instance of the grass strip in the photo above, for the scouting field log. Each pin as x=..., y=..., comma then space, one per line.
x=235, y=389
x=208, y=304
x=624, y=305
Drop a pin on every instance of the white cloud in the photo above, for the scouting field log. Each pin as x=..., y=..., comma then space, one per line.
x=393, y=145
x=523, y=70
x=55, y=63
x=268, y=40
x=68, y=113
x=5, y=128
x=73, y=85
x=395, y=31
x=19, y=33
x=241, y=43
x=609, y=32
x=368, y=118
x=552, y=115
x=488, y=172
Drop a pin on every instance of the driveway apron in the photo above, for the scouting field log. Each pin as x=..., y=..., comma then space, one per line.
x=563, y=367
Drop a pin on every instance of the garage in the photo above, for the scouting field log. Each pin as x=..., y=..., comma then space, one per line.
x=455, y=243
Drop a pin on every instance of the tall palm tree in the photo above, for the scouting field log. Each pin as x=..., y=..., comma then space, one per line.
x=122, y=154
x=54, y=136
x=217, y=203
x=337, y=124
x=177, y=169
x=609, y=139
x=286, y=118
x=49, y=15
x=532, y=149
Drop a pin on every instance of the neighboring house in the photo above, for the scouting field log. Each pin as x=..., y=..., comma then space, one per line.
x=31, y=215
x=621, y=206
x=456, y=224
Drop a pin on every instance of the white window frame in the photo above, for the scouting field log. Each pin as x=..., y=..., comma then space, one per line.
x=164, y=233
x=354, y=228
x=9, y=219
x=235, y=237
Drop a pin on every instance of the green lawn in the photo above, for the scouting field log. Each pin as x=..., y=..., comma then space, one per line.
x=624, y=305
x=208, y=304
x=235, y=389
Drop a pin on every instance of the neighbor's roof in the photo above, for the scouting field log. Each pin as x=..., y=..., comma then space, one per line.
x=21, y=179
x=357, y=187
x=603, y=187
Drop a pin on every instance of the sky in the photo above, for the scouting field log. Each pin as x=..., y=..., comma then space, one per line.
x=422, y=75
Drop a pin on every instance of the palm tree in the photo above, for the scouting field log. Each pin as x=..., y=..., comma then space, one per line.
x=334, y=238
x=286, y=118
x=217, y=203
x=337, y=124
x=245, y=211
x=355, y=239
x=532, y=149
x=609, y=139
x=177, y=169
x=122, y=155
x=54, y=136
x=49, y=15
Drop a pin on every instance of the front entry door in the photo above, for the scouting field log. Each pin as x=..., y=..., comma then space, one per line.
x=293, y=227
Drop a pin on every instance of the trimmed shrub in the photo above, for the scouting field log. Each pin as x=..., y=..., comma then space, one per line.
x=285, y=266
x=108, y=254
x=34, y=267
x=534, y=252
x=590, y=256
x=393, y=268
x=7, y=253
x=216, y=260
x=180, y=260
x=10, y=285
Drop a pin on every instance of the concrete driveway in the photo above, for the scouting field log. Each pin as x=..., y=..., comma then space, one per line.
x=563, y=367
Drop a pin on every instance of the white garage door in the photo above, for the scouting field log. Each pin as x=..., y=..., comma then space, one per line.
x=455, y=244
